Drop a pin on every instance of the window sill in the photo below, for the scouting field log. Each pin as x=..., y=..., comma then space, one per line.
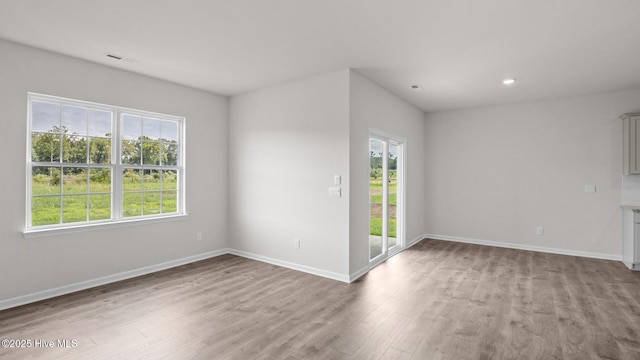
x=34, y=233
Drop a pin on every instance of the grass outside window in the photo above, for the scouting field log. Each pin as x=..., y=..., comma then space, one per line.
x=79, y=176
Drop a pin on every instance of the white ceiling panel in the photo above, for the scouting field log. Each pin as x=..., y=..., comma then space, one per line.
x=459, y=51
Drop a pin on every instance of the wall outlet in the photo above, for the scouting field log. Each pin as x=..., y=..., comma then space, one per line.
x=199, y=236
x=296, y=243
x=540, y=230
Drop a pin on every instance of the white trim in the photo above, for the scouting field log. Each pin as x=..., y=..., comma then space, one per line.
x=88, y=226
x=116, y=166
x=289, y=265
x=77, y=102
x=87, y=284
x=401, y=198
x=396, y=250
x=401, y=224
x=378, y=260
x=67, y=289
x=383, y=135
x=525, y=247
x=358, y=274
x=415, y=241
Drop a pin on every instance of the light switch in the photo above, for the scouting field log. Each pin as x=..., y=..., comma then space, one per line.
x=335, y=192
x=589, y=188
x=336, y=179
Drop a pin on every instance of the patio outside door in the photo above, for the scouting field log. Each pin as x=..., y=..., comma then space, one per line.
x=385, y=196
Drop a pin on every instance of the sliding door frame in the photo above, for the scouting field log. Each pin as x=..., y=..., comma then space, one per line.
x=392, y=139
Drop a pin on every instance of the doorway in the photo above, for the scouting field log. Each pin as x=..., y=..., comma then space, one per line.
x=386, y=190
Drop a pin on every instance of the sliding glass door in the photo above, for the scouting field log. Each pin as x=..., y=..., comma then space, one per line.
x=385, y=195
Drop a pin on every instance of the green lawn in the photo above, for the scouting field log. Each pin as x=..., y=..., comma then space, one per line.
x=375, y=197
x=78, y=200
x=375, y=227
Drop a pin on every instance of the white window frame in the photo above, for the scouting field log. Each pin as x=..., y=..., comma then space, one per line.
x=388, y=138
x=116, y=166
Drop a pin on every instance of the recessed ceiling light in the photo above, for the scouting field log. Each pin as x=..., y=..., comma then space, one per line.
x=416, y=87
x=510, y=81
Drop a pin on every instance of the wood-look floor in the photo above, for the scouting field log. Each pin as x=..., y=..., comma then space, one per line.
x=436, y=300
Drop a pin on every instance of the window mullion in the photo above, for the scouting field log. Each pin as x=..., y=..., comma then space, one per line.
x=61, y=197
x=60, y=160
x=87, y=196
x=116, y=161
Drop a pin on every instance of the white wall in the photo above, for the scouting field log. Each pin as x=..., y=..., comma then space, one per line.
x=259, y=169
x=37, y=264
x=496, y=173
x=372, y=107
x=285, y=144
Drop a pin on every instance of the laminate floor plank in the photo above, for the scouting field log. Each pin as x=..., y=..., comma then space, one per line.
x=394, y=354
x=419, y=327
x=436, y=300
x=379, y=342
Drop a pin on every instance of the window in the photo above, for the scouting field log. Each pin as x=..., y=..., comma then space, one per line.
x=91, y=163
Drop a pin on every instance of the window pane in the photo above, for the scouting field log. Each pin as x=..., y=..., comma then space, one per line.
x=131, y=152
x=152, y=179
x=100, y=150
x=45, y=180
x=151, y=152
x=376, y=231
x=169, y=201
x=131, y=127
x=151, y=128
x=169, y=180
x=131, y=204
x=74, y=208
x=74, y=153
x=151, y=203
x=100, y=180
x=100, y=123
x=74, y=149
x=44, y=116
x=74, y=181
x=131, y=180
x=170, y=131
x=74, y=120
x=170, y=155
x=45, y=210
x=45, y=147
x=99, y=207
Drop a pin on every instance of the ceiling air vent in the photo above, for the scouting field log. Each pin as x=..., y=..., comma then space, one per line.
x=122, y=58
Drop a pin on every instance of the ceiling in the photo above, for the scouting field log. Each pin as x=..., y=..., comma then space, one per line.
x=459, y=51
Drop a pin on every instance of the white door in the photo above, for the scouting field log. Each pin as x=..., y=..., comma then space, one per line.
x=386, y=189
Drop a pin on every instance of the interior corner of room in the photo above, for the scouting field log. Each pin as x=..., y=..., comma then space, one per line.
x=281, y=175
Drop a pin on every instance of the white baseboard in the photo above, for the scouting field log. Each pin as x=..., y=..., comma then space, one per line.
x=524, y=247
x=414, y=241
x=67, y=289
x=83, y=285
x=358, y=274
x=46, y=294
x=288, y=265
